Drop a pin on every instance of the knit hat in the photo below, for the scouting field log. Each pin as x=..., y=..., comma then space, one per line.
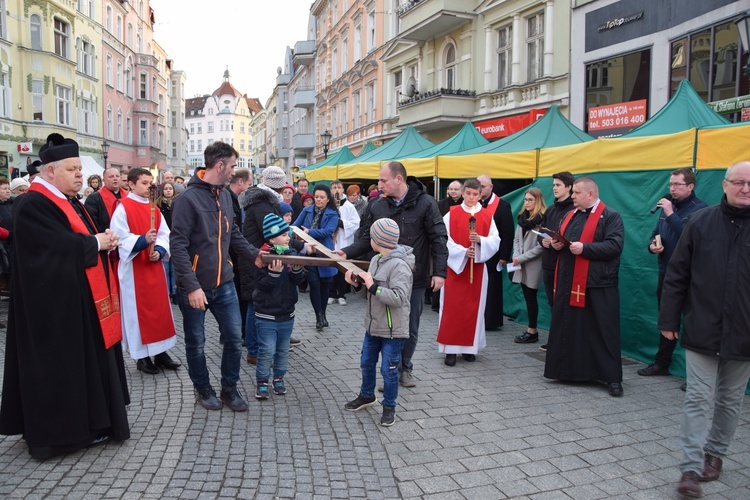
x=306, y=196
x=289, y=186
x=285, y=208
x=58, y=148
x=274, y=177
x=374, y=193
x=273, y=225
x=385, y=233
x=18, y=182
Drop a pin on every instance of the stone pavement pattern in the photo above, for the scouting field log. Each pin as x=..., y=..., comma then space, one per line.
x=490, y=429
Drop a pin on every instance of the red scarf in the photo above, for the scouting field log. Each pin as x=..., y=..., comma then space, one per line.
x=107, y=303
x=581, y=265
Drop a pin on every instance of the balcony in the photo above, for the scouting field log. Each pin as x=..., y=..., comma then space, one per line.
x=437, y=109
x=303, y=96
x=423, y=20
x=303, y=142
x=304, y=53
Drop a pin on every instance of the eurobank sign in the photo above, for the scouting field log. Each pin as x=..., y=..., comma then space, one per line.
x=507, y=125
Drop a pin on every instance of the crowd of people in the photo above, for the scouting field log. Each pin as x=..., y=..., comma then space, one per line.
x=118, y=259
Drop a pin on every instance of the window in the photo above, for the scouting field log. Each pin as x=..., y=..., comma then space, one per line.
x=334, y=119
x=344, y=55
x=86, y=57
x=173, y=121
x=192, y=145
x=86, y=7
x=143, y=86
x=200, y=128
x=161, y=140
x=535, y=47
x=344, y=116
x=504, y=55
x=370, y=103
x=357, y=42
x=242, y=144
x=161, y=104
x=110, y=124
x=335, y=63
x=37, y=100
x=129, y=79
x=129, y=129
x=62, y=38
x=192, y=128
x=4, y=92
x=143, y=133
x=129, y=41
x=119, y=125
x=370, y=30
x=109, y=70
x=86, y=115
x=3, y=22
x=174, y=150
x=221, y=125
x=62, y=101
x=119, y=76
x=450, y=67
x=398, y=80
x=35, y=23
x=138, y=43
x=200, y=144
x=210, y=127
x=357, y=101
x=108, y=19
x=242, y=127
x=118, y=28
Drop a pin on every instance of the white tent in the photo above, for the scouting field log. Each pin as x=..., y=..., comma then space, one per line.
x=90, y=167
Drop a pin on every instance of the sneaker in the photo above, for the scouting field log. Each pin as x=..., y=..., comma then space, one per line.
x=231, y=397
x=294, y=341
x=342, y=301
x=653, y=370
x=278, y=386
x=331, y=300
x=389, y=416
x=359, y=403
x=261, y=392
x=406, y=379
x=543, y=348
x=206, y=397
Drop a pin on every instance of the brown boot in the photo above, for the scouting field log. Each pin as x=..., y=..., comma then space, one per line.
x=689, y=485
x=711, y=468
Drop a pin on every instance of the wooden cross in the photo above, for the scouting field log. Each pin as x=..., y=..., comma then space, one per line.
x=578, y=293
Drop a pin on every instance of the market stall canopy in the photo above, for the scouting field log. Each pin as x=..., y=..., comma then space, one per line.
x=685, y=110
x=423, y=163
x=340, y=156
x=719, y=147
x=367, y=148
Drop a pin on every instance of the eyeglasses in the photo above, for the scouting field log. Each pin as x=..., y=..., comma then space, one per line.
x=528, y=200
x=739, y=184
x=677, y=184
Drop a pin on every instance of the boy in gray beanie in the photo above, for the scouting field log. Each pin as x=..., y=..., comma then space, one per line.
x=387, y=287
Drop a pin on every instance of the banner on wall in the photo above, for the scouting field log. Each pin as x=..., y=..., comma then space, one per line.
x=614, y=120
x=507, y=125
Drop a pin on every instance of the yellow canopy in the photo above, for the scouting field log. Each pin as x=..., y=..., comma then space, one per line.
x=517, y=165
x=721, y=147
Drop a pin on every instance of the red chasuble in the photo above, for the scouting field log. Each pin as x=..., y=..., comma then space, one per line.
x=461, y=298
x=107, y=302
x=152, y=298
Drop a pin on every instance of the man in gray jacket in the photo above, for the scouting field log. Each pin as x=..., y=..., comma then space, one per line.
x=203, y=231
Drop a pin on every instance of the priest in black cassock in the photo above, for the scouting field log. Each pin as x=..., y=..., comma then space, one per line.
x=584, y=336
x=64, y=386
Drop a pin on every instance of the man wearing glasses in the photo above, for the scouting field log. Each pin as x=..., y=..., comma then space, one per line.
x=714, y=300
x=674, y=215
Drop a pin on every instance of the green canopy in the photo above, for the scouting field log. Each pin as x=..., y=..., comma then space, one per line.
x=550, y=131
x=466, y=138
x=405, y=144
x=369, y=146
x=685, y=110
x=340, y=156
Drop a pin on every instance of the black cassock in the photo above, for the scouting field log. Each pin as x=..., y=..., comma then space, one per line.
x=584, y=342
x=506, y=228
x=61, y=387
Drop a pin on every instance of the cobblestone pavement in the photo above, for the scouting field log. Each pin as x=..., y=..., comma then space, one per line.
x=490, y=429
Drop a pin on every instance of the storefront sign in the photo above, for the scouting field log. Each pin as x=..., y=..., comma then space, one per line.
x=507, y=125
x=619, y=21
x=732, y=105
x=25, y=148
x=615, y=119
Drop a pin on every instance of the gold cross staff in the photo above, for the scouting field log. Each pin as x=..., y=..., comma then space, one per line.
x=578, y=293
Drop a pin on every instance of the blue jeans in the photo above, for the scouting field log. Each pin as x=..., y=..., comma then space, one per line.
x=273, y=343
x=169, y=272
x=712, y=384
x=372, y=347
x=223, y=304
x=251, y=331
x=417, y=302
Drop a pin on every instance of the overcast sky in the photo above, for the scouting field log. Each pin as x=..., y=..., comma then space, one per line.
x=249, y=36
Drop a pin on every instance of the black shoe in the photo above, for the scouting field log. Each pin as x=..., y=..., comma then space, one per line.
x=319, y=322
x=173, y=299
x=543, y=348
x=325, y=321
x=450, y=359
x=207, y=398
x=527, y=338
x=294, y=341
x=653, y=370
x=164, y=361
x=359, y=403
x=469, y=357
x=99, y=440
x=231, y=397
x=428, y=299
x=145, y=365
x=389, y=416
x=615, y=389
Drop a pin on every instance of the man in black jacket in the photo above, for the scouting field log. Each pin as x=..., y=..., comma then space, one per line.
x=203, y=231
x=422, y=228
x=101, y=204
x=706, y=284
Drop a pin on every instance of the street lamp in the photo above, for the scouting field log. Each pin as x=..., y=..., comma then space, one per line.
x=105, y=150
x=743, y=27
x=326, y=137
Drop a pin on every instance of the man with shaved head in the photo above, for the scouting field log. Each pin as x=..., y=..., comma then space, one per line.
x=101, y=204
x=713, y=299
x=584, y=336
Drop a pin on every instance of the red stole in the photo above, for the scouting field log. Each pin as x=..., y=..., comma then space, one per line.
x=150, y=282
x=107, y=302
x=461, y=299
x=109, y=199
x=581, y=264
x=492, y=206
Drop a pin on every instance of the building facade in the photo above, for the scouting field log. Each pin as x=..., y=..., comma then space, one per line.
x=177, y=147
x=625, y=52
